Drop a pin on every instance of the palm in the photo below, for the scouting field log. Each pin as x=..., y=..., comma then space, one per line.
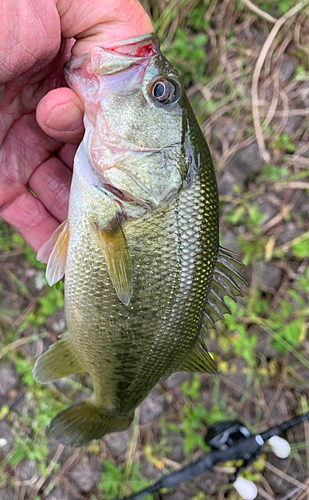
x=28, y=157
x=35, y=168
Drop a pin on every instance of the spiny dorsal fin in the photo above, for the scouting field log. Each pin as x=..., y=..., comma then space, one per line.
x=226, y=281
x=54, y=252
x=115, y=250
x=199, y=360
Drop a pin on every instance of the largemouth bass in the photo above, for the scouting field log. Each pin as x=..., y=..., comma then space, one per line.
x=140, y=252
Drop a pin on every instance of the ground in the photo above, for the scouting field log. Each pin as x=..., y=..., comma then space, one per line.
x=246, y=69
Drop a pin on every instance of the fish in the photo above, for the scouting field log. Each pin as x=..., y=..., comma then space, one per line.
x=145, y=276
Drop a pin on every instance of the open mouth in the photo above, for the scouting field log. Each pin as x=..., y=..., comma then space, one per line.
x=121, y=196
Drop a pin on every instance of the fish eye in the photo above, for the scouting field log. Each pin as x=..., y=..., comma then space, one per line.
x=164, y=91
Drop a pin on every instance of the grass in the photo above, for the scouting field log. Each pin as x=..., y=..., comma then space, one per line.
x=261, y=349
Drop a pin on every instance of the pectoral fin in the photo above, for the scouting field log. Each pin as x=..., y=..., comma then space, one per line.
x=54, y=252
x=115, y=250
x=199, y=360
x=59, y=361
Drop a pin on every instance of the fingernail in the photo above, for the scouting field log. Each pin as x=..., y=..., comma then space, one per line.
x=65, y=118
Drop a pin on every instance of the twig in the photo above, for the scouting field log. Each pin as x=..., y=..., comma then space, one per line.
x=306, y=428
x=299, y=239
x=292, y=112
x=283, y=475
x=277, y=218
x=260, y=12
x=49, y=470
x=291, y=494
x=256, y=75
x=130, y=453
x=264, y=494
x=292, y=185
x=20, y=342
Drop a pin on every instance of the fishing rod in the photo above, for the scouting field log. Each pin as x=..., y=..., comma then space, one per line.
x=229, y=440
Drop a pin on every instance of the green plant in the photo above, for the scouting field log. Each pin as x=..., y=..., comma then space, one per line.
x=283, y=142
x=274, y=173
x=112, y=477
x=188, y=55
x=247, y=214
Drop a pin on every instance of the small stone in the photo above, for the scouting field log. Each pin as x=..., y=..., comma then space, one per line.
x=176, y=380
x=117, y=442
x=290, y=232
x=293, y=124
x=230, y=241
x=60, y=325
x=3, y=442
x=26, y=470
x=8, y=494
x=58, y=494
x=152, y=408
x=9, y=380
x=40, y=280
x=5, y=435
x=267, y=209
x=227, y=182
x=241, y=166
x=302, y=204
x=303, y=92
x=245, y=162
x=19, y=404
x=287, y=69
x=268, y=275
x=84, y=477
x=175, y=442
x=257, y=35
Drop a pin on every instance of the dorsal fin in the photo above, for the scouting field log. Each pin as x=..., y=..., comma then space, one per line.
x=199, y=360
x=226, y=281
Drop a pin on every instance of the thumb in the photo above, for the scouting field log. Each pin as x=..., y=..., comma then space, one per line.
x=90, y=23
x=101, y=22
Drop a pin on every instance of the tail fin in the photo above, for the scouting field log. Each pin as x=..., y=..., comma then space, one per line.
x=82, y=422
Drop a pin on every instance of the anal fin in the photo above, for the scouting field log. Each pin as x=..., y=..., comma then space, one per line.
x=59, y=361
x=116, y=253
x=54, y=253
x=199, y=360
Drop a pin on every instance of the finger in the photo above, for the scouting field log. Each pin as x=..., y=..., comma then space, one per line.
x=101, y=22
x=60, y=115
x=51, y=183
x=24, y=149
x=30, y=219
x=67, y=154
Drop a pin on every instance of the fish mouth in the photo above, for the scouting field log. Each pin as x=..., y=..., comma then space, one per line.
x=122, y=196
x=144, y=46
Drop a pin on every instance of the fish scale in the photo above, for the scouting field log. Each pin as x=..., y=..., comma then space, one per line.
x=140, y=250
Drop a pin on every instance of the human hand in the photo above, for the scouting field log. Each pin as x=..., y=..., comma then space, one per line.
x=40, y=120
